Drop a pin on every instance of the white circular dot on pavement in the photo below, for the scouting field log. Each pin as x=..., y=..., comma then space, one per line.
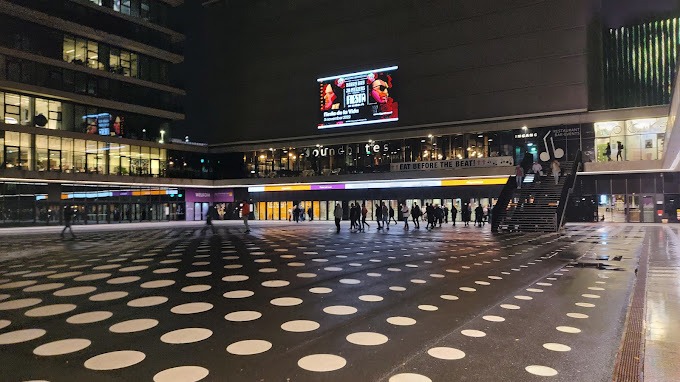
x=418, y=281
x=585, y=304
x=23, y=335
x=4, y=323
x=199, y=274
x=320, y=290
x=192, y=308
x=92, y=277
x=196, y=288
x=134, y=268
x=526, y=298
x=147, y=301
x=62, y=347
x=306, y=275
x=340, y=310
x=370, y=298
x=123, y=280
x=595, y=288
x=322, y=362
x=157, y=284
x=106, y=267
x=333, y=269
x=467, y=289
x=401, y=321
x=249, y=347
x=300, y=326
x=568, y=329
x=233, y=266
x=161, y=271
x=534, y=290
x=186, y=335
x=473, y=333
x=397, y=288
x=108, y=296
x=449, y=297
x=494, y=318
x=373, y=274
x=482, y=283
x=452, y=271
x=239, y=294
x=428, y=308
x=267, y=270
x=543, y=371
x=18, y=284
x=50, y=310
x=409, y=377
x=295, y=264
x=495, y=278
x=544, y=284
x=394, y=269
x=243, y=316
x=115, y=360
x=593, y=296
x=509, y=306
x=367, y=338
x=4, y=296
x=133, y=326
x=235, y=278
x=577, y=315
x=64, y=275
x=89, y=317
x=446, y=353
x=556, y=347
x=75, y=291
x=286, y=301
x=275, y=283
x=43, y=287
x=182, y=374
x=350, y=281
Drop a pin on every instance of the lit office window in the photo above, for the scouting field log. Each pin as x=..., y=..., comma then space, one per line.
x=98, y=2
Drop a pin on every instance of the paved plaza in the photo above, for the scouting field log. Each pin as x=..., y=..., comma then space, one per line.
x=287, y=302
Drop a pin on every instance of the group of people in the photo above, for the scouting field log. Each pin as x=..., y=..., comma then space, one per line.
x=619, y=151
x=433, y=214
x=537, y=169
x=297, y=214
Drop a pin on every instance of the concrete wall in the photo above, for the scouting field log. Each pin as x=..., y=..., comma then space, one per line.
x=458, y=60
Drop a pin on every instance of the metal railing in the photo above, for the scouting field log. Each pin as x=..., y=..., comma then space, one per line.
x=500, y=209
x=569, y=184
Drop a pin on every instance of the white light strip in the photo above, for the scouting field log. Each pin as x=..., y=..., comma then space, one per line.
x=370, y=185
x=358, y=73
x=338, y=125
x=256, y=189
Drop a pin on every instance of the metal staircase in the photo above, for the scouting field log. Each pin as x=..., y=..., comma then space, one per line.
x=540, y=204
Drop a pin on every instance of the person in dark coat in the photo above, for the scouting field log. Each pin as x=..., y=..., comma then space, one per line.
x=454, y=214
x=68, y=218
x=479, y=215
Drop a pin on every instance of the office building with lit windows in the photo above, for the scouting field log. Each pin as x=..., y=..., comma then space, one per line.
x=154, y=110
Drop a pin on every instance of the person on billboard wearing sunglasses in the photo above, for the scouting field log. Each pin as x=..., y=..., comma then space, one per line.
x=379, y=85
x=332, y=95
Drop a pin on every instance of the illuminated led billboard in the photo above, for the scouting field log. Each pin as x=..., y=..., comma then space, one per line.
x=358, y=98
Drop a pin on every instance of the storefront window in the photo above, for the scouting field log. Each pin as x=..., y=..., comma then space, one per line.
x=67, y=154
x=41, y=160
x=79, y=155
x=640, y=139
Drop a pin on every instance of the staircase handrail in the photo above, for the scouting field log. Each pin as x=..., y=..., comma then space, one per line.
x=501, y=206
x=569, y=184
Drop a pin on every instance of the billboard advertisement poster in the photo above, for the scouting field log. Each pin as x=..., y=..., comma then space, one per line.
x=359, y=98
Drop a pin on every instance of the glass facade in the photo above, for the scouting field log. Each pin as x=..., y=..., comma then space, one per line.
x=30, y=203
x=639, y=139
x=19, y=109
x=57, y=154
x=639, y=63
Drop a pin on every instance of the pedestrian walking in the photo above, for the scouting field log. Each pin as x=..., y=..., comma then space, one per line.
x=337, y=213
x=479, y=215
x=364, y=212
x=608, y=152
x=352, y=217
x=415, y=216
x=68, y=219
x=454, y=214
x=385, y=216
x=519, y=175
x=310, y=213
x=438, y=215
x=556, y=169
x=208, y=221
x=378, y=216
x=245, y=212
x=391, y=219
x=619, y=150
x=446, y=214
x=404, y=214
